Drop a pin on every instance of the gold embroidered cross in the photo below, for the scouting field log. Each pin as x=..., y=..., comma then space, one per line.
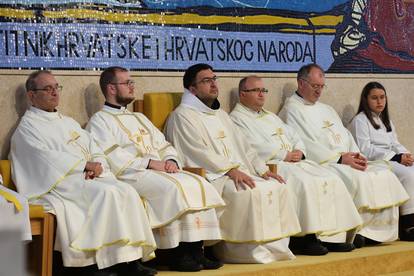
x=225, y=150
x=335, y=136
x=73, y=136
x=136, y=138
x=284, y=146
x=221, y=135
x=148, y=148
x=327, y=124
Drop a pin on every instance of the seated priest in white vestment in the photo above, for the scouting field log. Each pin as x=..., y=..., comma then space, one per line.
x=180, y=205
x=376, y=136
x=322, y=202
x=376, y=191
x=102, y=227
x=14, y=210
x=259, y=214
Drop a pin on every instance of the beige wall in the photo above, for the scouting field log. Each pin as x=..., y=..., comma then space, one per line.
x=81, y=97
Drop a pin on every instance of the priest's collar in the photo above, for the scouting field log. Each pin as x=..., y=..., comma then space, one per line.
x=261, y=112
x=300, y=98
x=110, y=106
x=46, y=114
x=192, y=101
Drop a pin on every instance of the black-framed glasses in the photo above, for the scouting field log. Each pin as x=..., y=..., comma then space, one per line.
x=50, y=88
x=316, y=86
x=257, y=90
x=129, y=83
x=208, y=80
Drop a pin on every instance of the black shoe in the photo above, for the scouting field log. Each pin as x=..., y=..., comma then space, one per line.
x=209, y=253
x=296, y=243
x=338, y=247
x=309, y=245
x=68, y=271
x=206, y=262
x=196, y=250
x=93, y=270
x=146, y=267
x=153, y=263
x=314, y=249
x=134, y=268
x=359, y=241
x=104, y=272
x=406, y=227
x=368, y=241
x=407, y=234
x=185, y=263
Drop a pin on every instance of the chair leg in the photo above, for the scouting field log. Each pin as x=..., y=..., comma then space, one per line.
x=47, y=244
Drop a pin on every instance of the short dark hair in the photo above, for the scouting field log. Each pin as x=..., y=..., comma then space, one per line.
x=242, y=83
x=31, y=84
x=305, y=70
x=364, y=107
x=192, y=71
x=108, y=76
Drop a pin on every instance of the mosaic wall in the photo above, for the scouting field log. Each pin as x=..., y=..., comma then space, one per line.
x=344, y=36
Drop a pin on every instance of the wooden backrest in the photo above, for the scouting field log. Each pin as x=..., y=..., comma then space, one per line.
x=157, y=106
x=5, y=171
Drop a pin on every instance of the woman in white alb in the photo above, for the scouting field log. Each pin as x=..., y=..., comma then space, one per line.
x=376, y=137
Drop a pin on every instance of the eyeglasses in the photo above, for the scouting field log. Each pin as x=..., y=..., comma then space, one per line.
x=129, y=83
x=257, y=90
x=208, y=80
x=49, y=88
x=315, y=86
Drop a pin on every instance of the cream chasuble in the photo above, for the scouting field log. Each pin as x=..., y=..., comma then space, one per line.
x=253, y=218
x=99, y=221
x=14, y=211
x=378, y=144
x=180, y=206
x=376, y=192
x=322, y=202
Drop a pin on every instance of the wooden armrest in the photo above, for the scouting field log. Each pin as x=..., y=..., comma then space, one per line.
x=36, y=211
x=272, y=168
x=199, y=171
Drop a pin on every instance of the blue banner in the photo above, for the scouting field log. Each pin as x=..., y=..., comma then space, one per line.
x=343, y=36
x=292, y=5
x=156, y=47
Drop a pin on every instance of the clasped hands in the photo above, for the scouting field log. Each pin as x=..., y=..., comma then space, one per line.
x=355, y=160
x=407, y=159
x=168, y=166
x=293, y=156
x=242, y=181
x=92, y=170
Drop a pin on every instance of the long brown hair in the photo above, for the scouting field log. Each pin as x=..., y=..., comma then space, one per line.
x=364, y=107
